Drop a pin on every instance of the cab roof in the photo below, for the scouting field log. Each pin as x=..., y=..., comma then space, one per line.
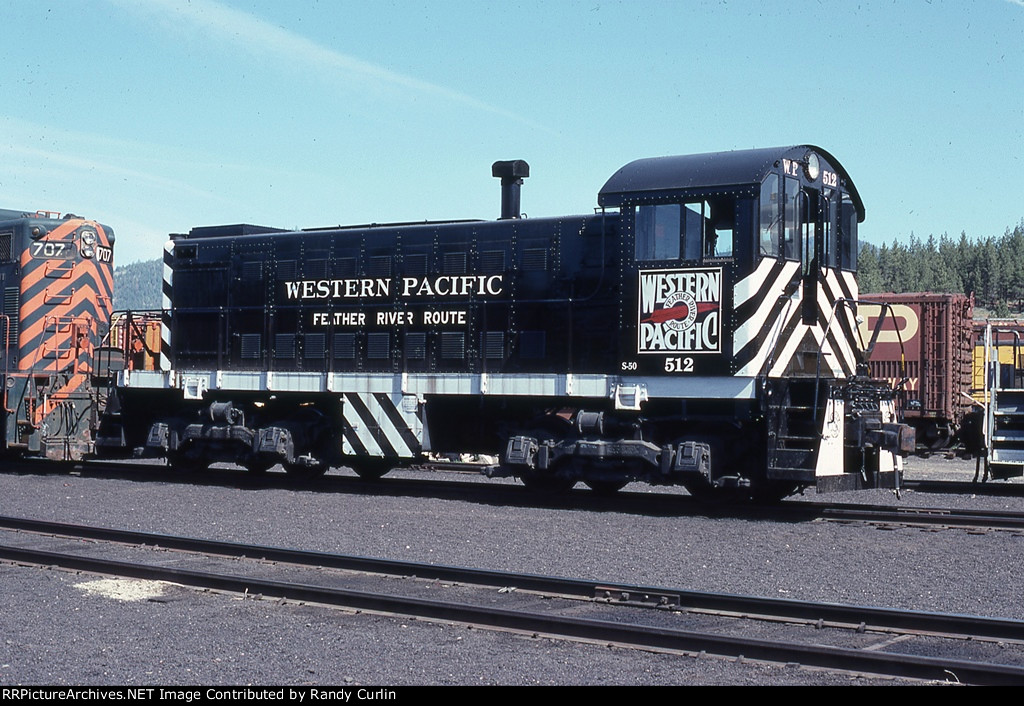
x=663, y=176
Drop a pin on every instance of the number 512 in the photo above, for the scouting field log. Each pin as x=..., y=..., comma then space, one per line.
x=679, y=365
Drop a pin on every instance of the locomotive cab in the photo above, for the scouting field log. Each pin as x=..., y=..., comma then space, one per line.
x=770, y=224
x=745, y=297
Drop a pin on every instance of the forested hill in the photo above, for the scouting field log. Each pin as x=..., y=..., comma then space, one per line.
x=138, y=286
x=993, y=268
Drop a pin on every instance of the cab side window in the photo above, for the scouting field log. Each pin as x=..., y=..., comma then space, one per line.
x=693, y=231
x=658, y=229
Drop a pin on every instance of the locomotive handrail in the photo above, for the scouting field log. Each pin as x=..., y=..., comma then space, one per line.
x=988, y=423
x=604, y=263
x=7, y=356
x=867, y=351
x=777, y=328
x=817, y=360
x=133, y=317
x=990, y=392
x=878, y=330
x=996, y=365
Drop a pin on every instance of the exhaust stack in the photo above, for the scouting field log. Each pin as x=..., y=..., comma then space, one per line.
x=511, y=172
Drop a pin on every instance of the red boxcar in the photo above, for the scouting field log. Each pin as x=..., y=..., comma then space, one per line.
x=925, y=338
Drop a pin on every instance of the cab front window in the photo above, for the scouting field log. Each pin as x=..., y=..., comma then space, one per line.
x=771, y=217
x=848, y=233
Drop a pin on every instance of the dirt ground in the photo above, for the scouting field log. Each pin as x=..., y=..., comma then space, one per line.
x=944, y=466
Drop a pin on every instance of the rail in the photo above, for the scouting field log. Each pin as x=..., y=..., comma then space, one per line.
x=854, y=620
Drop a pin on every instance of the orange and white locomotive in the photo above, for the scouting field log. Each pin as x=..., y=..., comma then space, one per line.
x=57, y=277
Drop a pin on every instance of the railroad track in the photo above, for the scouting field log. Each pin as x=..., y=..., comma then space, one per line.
x=612, y=616
x=517, y=495
x=961, y=487
x=916, y=516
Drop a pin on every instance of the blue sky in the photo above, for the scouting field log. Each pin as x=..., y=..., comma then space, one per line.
x=154, y=116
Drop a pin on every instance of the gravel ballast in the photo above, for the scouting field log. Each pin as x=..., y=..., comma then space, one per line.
x=58, y=633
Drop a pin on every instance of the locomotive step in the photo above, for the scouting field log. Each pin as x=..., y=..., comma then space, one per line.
x=1008, y=456
x=1008, y=443
x=1008, y=435
x=1008, y=402
x=1002, y=471
x=794, y=451
x=793, y=474
x=797, y=443
x=793, y=460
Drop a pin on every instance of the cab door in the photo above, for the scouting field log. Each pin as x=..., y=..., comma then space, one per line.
x=809, y=214
x=674, y=287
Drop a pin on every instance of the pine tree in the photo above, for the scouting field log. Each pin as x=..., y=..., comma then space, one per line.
x=869, y=273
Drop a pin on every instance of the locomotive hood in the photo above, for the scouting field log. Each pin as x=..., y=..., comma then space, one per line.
x=665, y=176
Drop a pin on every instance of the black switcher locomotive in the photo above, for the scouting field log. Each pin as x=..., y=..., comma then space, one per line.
x=699, y=328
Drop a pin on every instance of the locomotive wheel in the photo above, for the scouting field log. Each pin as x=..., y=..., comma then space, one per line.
x=606, y=487
x=303, y=473
x=258, y=468
x=550, y=481
x=702, y=490
x=187, y=464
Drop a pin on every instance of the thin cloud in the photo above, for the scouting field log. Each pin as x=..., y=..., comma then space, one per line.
x=223, y=23
x=48, y=161
x=65, y=152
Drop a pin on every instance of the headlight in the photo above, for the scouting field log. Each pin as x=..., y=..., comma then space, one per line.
x=813, y=166
x=88, y=237
x=86, y=250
